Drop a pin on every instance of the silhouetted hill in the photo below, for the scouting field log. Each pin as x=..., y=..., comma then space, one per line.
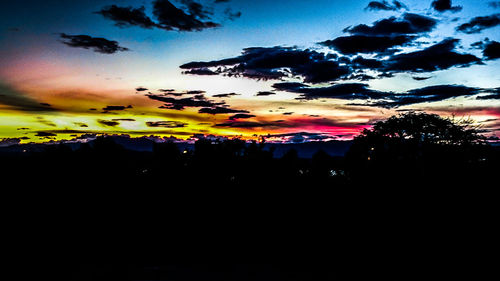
x=304, y=150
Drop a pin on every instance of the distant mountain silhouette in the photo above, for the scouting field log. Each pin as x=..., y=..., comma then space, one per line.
x=304, y=149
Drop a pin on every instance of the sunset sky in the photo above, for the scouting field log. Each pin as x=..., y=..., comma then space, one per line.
x=322, y=69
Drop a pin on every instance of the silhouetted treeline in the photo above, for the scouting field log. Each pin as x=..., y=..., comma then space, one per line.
x=371, y=160
x=209, y=164
x=424, y=149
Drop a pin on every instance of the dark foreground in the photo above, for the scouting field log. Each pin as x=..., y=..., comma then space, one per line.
x=105, y=165
x=390, y=209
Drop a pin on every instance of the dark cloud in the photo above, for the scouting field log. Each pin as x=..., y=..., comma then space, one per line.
x=80, y=124
x=360, y=62
x=20, y=101
x=445, y=5
x=172, y=18
x=492, y=50
x=385, y=75
x=45, y=134
x=108, y=123
x=195, y=92
x=437, y=57
x=172, y=92
x=199, y=100
x=479, y=44
x=421, y=78
x=494, y=95
x=241, y=116
x=478, y=24
x=437, y=93
x=347, y=91
x=314, y=67
x=385, y=6
x=99, y=45
x=425, y=95
x=200, y=71
x=276, y=63
x=354, y=44
x=220, y=110
x=321, y=71
x=127, y=16
x=124, y=119
x=353, y=91
x=490, y=97
x=180, y=104
x=265, y=93
x=166, y=124
x=175, y=94
x=289, y=86
x=192, y=16
x=141, y=89
x=116, y=107
x=216, y=63
x=382, y=36
x=225, y=95
x=408, y=24
x=360, y=77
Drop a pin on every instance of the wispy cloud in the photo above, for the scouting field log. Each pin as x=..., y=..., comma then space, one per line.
x=97, y=44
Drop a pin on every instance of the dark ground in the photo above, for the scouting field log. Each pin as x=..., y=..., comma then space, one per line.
x=230, y=211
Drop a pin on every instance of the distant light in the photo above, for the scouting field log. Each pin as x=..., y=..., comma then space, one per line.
x=369, y=158
x=185, y=152
x=335, y=173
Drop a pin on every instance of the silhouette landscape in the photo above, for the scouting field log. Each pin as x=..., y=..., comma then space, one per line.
x=133, y=131
x=416, y=147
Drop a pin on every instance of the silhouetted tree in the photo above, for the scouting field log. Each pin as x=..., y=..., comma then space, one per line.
x=425, y=129
x=415, y=146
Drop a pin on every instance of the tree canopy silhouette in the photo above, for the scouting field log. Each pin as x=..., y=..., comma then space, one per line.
x=412, y=145
x=425, y=128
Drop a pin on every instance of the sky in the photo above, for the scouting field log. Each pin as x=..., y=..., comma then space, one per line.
x=284, y=70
